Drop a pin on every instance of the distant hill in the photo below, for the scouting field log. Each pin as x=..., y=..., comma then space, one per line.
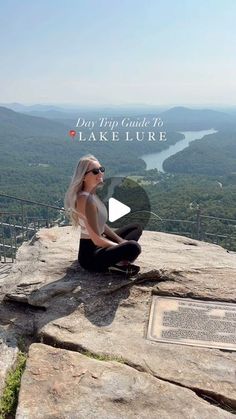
x=14, y=123
x=175, y=119
x=56, y=115
x=43, y=111
x=214, y=154
x=18, y=107
x=72, y=112
x=186, y=119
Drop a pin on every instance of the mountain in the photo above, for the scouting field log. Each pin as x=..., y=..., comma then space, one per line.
x=186, y=119
x=213, y=154
x=74, y=111
x=175, y=119
x=18, y=107
x=18, y=124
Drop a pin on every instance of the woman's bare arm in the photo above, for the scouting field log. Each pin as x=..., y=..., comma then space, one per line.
x=112, y=235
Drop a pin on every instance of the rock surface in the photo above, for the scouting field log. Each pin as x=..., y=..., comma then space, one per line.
x=60, y=384
x=8, y=355
x=179, y=265
x=78, y=311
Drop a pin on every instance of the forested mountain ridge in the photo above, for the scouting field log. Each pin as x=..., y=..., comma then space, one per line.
x=214, y=154
x=15, y=123
x=176, y=118
x=185, y=119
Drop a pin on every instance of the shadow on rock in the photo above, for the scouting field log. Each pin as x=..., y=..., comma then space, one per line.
x=94, y=295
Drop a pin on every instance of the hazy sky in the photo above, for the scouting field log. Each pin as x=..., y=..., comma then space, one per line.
x=118, y=52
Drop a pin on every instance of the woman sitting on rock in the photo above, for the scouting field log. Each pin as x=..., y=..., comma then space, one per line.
x=101, y=248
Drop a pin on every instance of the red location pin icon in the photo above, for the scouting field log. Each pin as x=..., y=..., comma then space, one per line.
x=72, y=133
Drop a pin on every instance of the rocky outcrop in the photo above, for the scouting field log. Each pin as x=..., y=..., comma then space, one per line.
x=80, y=316
x=64, y=384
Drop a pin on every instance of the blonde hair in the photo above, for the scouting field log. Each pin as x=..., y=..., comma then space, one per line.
x=76, y=185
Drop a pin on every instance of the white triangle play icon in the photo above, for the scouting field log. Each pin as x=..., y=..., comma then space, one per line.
x=116, y=209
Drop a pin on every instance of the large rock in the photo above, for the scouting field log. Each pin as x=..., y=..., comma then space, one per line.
x=42, y=261
x=175, y=264
x=106, y=315
x=60, y=384
x=5, y=269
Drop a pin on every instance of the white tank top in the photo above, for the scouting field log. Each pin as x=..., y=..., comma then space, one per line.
x=102, y=216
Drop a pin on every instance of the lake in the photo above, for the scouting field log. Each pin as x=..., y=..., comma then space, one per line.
x=155, y=160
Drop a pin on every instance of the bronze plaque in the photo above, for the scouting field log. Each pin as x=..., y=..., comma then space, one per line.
x=193, y=322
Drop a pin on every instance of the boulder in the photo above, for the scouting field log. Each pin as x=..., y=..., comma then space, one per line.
x=60, y=384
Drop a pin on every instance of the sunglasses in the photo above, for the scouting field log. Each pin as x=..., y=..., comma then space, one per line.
x=96, y=170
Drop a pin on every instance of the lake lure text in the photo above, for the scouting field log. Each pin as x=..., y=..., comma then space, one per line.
x=128, y=129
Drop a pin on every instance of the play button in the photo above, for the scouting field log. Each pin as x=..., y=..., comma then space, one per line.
x=117, y=209
x=125, y=201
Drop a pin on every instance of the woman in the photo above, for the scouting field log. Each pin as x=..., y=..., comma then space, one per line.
x=101, y=248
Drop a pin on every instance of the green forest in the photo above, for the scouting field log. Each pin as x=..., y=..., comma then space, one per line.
x=213, y=155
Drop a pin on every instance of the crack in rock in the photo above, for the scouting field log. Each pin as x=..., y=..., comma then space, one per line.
x=214, y=398
x=208, y=396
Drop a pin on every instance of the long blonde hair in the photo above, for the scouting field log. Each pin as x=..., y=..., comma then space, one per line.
x=76, y=185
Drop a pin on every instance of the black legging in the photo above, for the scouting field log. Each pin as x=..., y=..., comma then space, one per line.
x=95, y=258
